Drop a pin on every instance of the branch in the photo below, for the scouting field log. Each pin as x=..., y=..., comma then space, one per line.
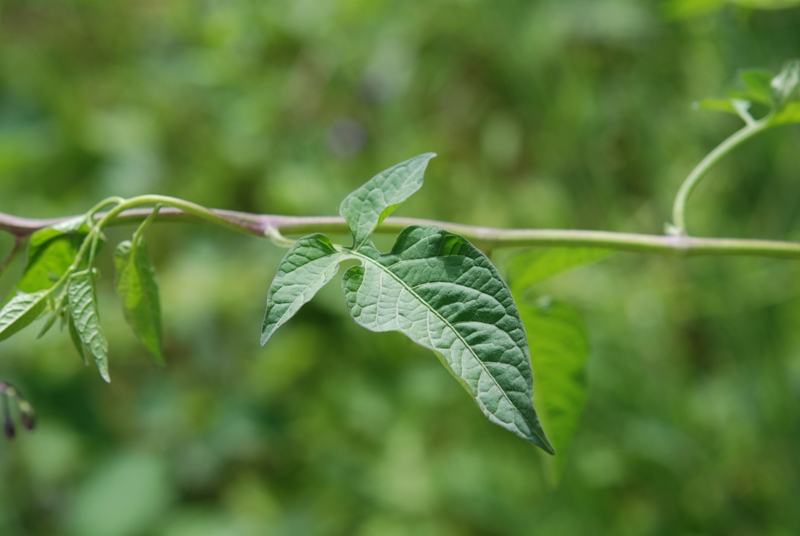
x=265, y=226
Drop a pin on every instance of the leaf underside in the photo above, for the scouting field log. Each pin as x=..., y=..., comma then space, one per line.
x=370, y=204
x=83, y=310
x=444, y=294
x=307, y=267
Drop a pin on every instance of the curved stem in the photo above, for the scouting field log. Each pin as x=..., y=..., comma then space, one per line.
x=705, y=165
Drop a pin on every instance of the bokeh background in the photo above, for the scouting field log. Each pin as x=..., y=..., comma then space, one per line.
x=546, y=113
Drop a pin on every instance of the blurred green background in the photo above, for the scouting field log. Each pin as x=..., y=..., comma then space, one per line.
x=546, y=113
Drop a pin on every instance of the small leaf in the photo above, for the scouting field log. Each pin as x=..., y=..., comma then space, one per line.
x=20, y=311
x=786, y=85
x=445, y=295
x=789, y=114
x=533, y=266
x=51, y=320
x=76, y=341
x=559, y=351
x=307, y=267
x=370, y=204
x=756, y=83
x=83, y=310
x=717, y=105
x=137, y=287
x=72, y=226
x=48, y=263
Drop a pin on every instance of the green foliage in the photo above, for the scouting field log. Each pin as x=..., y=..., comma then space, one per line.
x=137, y=287
x=82, y=299
x=20, y=311
x=780, y=93
x=309, y=264
x=434, y=287
x=369, y=205
x=531, y=267
x=559, y=349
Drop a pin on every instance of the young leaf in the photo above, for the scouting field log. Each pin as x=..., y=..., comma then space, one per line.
x=137, y=287
x=83, y=311
x=533, y=266
x=756, y=84
x=370, y=204
x=444, y=294
x=51, y=320
x=307, y=267
x=559, y=350
x=48, y=262
x=20, y=311
x=786, y=84
x=76, y=340
x=786, y=92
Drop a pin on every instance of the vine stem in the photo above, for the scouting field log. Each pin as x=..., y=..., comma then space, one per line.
x=700, y=170
x=273, y=227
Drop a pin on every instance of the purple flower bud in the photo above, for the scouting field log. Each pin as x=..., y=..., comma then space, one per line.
x=28, y=420
x=8, y=427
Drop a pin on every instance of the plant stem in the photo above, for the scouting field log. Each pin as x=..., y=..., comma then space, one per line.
x=705, y=165
x=266, y=226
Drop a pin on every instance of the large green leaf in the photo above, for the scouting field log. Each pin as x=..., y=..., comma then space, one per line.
x=137, y=286
x=49, y=262
x=307, y=267
x=83, y=310
x=20, y=311
x=50, y=252
x=533, y=266
x=370, y=204
x=559, y=350
x=444, y=294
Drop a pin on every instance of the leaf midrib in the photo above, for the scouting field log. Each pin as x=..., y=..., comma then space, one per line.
x=448, y=324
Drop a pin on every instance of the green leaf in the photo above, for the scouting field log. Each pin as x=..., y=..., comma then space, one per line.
x=307, y=267
x=756, y=84
x=76, y=340
x=533, y=266
x=51, y=320
x=717, y=105
x=370, y=204
x=51, y=251
x=444, y=294
x=48, y=263
x=786, y=85
x=83, y=310
x=789, y=114
x=137, y=287
x=72, y=226
x=559, y=349
x=20, y=311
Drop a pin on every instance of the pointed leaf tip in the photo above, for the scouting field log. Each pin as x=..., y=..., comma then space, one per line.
x=82, y=301
x=444, y=294
x=370, y=204
x=307, y=267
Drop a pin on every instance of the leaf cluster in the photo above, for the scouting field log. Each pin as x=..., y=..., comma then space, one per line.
x=778, y=93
